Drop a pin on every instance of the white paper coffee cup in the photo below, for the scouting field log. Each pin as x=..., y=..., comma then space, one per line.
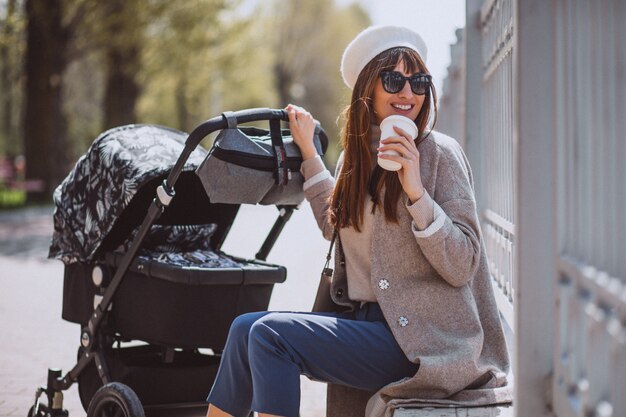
x=386, y=130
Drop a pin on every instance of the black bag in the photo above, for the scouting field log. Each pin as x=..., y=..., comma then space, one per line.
x=323, y=302
x=248, y=165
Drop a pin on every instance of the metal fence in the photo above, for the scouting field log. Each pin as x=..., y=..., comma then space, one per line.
x=590, y=102
x=496, y=26
x=548, y=155
x=489, y=143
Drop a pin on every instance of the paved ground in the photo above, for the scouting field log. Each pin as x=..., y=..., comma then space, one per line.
x=34, y=337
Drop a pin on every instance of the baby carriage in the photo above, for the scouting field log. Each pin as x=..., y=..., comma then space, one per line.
x=145, y=276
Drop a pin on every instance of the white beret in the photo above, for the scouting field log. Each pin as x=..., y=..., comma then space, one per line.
x=371, y=42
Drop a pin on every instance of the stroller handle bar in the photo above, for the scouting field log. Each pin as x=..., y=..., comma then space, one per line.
x=253, y=115
x=218, y=123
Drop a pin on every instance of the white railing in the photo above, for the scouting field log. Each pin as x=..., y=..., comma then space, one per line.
x=496, y=26
x=590, y=98
x=549, y=158
x=476, y=107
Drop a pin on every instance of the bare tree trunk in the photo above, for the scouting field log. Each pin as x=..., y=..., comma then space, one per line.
x=45, y=125
x=181, y=104
x=283, y=78
x=123, y=61
x=122, y=90
x=7, y=70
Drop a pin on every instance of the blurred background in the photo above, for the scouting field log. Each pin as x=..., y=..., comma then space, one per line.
x=70, y=69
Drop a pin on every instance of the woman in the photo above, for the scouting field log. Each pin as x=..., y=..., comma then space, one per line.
x=410, y=264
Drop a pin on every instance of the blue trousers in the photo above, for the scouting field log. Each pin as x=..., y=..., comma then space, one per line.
x=266, y=352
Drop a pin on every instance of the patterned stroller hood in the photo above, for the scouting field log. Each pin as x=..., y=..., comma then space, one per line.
x=105, y=179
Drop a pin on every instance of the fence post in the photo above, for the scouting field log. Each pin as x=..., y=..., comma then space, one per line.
x=473, y=97
x=533, y=134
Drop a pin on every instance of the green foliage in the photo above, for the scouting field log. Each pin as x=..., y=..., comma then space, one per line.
x=309, y=39
x=202, y=68
x=12, y=27
x=198, y=58
x=11, y=197
x=183, y=60
x=84, y=93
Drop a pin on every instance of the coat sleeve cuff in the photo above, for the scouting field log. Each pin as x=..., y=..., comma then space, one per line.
x=435, y=226
x=311, y=167
x=422, y=211
x=316, y=179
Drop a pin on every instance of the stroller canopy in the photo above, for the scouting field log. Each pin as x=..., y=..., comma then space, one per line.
x=104, y=181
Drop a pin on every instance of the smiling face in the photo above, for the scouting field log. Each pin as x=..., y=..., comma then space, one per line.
x=405, y=102
x=370, y=103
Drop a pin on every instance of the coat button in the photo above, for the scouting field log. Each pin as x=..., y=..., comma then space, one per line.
x=339, y=292
x=383, y=284
x=403, y=321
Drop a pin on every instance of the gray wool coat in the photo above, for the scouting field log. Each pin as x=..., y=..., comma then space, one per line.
x=439, y=301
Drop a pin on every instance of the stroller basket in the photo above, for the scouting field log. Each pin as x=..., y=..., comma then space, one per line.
x=186, y=376
x=150, y=270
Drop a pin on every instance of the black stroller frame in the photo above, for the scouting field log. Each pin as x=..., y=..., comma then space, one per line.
x=92, y=342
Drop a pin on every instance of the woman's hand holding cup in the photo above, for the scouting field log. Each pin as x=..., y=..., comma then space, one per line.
x=397, y=152
x=388, y=129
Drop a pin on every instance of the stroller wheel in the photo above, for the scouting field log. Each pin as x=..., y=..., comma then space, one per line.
x=115, y=399
x=40, y=413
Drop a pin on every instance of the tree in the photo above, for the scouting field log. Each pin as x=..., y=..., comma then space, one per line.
x=104, y=73
x=123, y=60
x=309, y=39
x=172, y=63
x=10, y=77
x=187, y=58
x=45, y=125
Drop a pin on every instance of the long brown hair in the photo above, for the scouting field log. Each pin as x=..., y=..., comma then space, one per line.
x=357, y=177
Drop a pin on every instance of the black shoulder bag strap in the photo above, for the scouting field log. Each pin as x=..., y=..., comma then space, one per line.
x=323, y=302
x=328, y=271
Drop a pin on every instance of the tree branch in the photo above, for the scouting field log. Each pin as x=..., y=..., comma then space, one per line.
x=83, y=9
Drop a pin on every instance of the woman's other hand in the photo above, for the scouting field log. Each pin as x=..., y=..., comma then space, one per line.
x=409, y=157
x=302, y=127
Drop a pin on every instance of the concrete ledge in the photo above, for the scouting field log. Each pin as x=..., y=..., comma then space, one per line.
x=455, y=412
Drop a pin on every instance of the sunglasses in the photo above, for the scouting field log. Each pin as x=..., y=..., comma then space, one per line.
x=393, y=82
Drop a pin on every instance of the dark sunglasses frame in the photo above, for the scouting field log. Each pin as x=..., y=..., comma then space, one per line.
x=419, y=82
